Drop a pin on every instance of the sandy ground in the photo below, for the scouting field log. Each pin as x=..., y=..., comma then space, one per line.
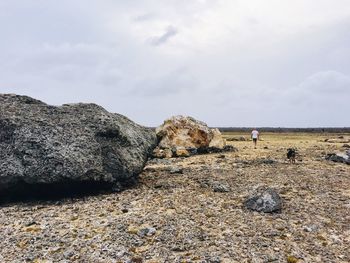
x=175, y=213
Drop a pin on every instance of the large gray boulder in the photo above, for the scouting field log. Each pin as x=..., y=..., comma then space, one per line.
x=68, y=145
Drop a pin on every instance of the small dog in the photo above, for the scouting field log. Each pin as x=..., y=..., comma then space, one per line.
x=291, y=153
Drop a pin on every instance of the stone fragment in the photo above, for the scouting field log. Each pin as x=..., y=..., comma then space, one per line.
x=221, y=187
x=339, y=157
x=216, y=186
x=264, y=200
x=176, y=170
x=147, y=231
x=162, y=153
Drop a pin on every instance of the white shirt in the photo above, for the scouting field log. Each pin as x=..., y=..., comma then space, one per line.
x=255, y=134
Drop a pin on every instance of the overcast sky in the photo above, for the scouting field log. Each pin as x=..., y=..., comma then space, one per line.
x=225, y=62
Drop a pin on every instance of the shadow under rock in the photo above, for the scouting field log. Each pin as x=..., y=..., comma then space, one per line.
x=29, y=193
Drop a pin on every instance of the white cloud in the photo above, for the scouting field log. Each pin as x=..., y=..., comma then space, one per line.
x=327, y=82
x=227, y=62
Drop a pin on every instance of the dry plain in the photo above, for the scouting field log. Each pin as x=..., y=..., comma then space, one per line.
x=177, y=212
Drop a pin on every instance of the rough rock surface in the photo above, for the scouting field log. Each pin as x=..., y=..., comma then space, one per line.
x=217, y=141
x=236, y=139
x=340, y=139
x=264, y=200
x=217, y=186
x=182, y=136
x=339, y=157
x=73, y=143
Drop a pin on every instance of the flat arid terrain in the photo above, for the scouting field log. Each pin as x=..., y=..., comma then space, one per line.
x=192, y=210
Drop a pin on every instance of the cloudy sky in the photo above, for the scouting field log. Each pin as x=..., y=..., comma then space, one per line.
x=225, y=62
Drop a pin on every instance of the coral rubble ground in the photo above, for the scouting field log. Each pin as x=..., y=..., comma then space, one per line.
x=192, y=210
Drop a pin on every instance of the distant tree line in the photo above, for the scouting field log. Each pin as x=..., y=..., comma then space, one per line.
x=283, y=129
x=287, y=130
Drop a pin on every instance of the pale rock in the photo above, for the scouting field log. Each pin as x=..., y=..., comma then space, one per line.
x=217, y=141
x=182, y=136
x=181, y=131
x=182, y=152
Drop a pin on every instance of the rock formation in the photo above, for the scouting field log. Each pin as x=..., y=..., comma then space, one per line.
x=236, y=139
x=68, y=145
x=340, y=139
x=339, y=157
x=182, y=136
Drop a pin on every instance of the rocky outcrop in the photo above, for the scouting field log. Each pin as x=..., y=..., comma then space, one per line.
x=237, y=139
x=68, y=145
x=340, y=139
x=182, y=136
x=339, y=157
x=264, y=200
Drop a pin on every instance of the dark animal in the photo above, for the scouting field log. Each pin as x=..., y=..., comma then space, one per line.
x=291, y=153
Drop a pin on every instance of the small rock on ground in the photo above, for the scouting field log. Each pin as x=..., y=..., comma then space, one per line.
x=264, y=200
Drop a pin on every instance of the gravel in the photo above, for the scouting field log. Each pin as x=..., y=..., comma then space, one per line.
x=186, y=222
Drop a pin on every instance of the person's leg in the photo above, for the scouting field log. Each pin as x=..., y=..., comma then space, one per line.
x=254, y=140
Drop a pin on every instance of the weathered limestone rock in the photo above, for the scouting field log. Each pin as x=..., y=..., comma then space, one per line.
x=181, y=131
x=185, y=136
x=73, y=143
x=217, y=141
x=182, y=152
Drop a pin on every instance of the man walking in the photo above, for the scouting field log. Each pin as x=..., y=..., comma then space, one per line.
x=255, y=136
